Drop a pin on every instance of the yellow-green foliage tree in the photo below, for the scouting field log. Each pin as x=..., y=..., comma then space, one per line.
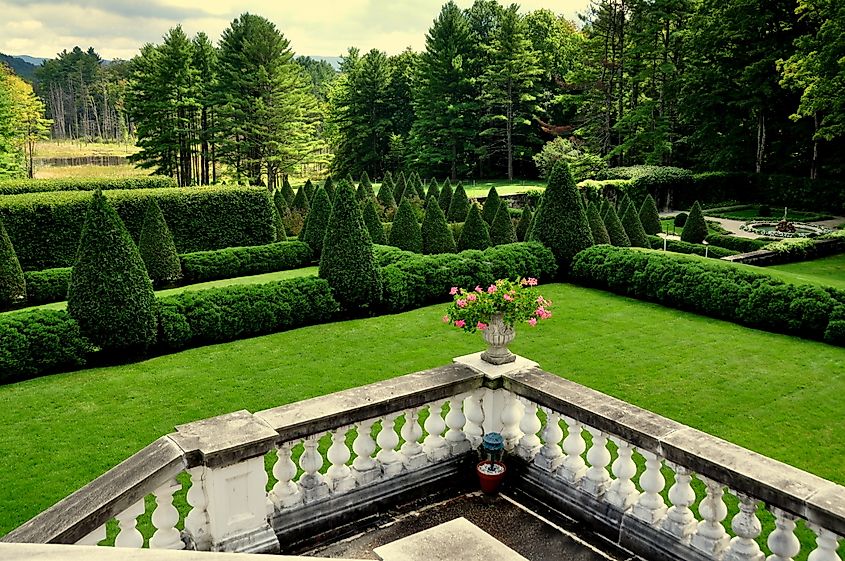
x=22, y=123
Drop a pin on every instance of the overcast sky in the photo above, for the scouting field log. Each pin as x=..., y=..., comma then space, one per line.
x=117, y=28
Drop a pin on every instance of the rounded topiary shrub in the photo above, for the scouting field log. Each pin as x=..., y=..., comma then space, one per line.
x=436, y=235
x=695, y=229
x=157, y=248
x=475, y=234
x=12, y=282
x=405, y=232
x=681, y=219
x=110, y=294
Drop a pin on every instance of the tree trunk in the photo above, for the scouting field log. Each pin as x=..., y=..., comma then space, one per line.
x=761, y=140
x=814, y=165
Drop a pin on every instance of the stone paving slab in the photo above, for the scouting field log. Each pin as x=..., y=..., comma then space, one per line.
x=458, y=539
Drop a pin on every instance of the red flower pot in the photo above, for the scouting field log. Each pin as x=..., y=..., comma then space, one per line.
x=490, y=478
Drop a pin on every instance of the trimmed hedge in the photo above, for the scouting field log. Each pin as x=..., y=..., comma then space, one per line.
x=12, y=283
x=678, y=246
x=716, y=289
x=740, y=245
x=235, y=312
x=20, y=186
x=234, y=262
x=49, y=285
x=45, y=228
x=413, y=280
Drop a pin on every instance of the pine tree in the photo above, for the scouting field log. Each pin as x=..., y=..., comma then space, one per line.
x=695, y=229
x=434, y=191
x=475, y=234
x=373, y=222
x=347, y=263
x=12, y=281
x=633, y=227
x=615, y=230
x=600, y=235
x=110, y=294
x=287, y=191
x=491, y=206
x=405, y=233
x=649, y=217
x=157, y=248
x=502, y=230
x=436, y=235
x=459, y=205
x=309, y=191
x=315, y=225
x=524, y=223
x=385, y=198
x=560, y=223
x=328, y=185
x=365, y=188
x=445, y=198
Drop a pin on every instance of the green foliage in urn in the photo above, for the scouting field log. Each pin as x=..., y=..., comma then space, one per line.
x=405, y=233
x=475, y=234
x=695, y=228
x=373, y=222
x=502, y=230
x=436, y=235
x=318, y=219
x=459, y=205
x=649, y=217
x=110, y=294
x=597, y=226
x=157, y=248
x=12, y=282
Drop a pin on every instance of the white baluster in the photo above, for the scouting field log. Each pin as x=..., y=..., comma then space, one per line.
x=475, y=418
x=596, y=479
x=312, y=483
x=512, y=413
x=550, y=456
x=455, y=420
x=434, y=445
x=285, y=493
x=680, y=520
x=364, y=467
x=746, y=526
x=413, y=456
x=574, y=467
x=782, y=541
x=530, y=444
x=264, y=479
x=710, y=536
x=128, y=535
x=165, y=517
x=196, y=522
x=94, y=538
x=650, y=507
x=388, y=440
x=622, y=492
x=826, y=545
x=339, y=476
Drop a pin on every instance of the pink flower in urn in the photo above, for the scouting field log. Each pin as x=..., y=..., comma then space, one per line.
x=472, y=297
x=460, y=323
x=508, y=298
x=445, y=319
x=492, y=288
x=532, y=322
x=461, y=303
x=478, y=289
x=481, y=326
x=532, y=281
x=453, y=290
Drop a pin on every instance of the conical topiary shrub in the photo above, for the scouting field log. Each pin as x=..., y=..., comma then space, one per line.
x=615, y=231
x=328, y=185
x=445, y=198
x=695, y=228
x=347, y=261
x=389, y=181
x=524, y=223
x=300, y=203
x=284, y=212
x=157, y=248
x=491, y=206
x=649, y=217
x=309, y=190
x=434, y=191
x=560, y=222
x=400, y=182
x=502, y=230
x=287, y=191
x=597, y=227
x=12, y=281
x=405, y=233
x=436, y=235
x=475, y=234
x=420, y=185
x=110, y=295
x=317, y=221
x=459, y=205
x=365, y=188
x=373, y=222
x=279, y=226
x=385, y=198
x=631, y=223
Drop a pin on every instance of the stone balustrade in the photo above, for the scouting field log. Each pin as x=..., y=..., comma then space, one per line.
x=338, y=460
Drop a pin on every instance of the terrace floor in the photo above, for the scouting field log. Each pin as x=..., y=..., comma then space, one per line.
x=537, y=536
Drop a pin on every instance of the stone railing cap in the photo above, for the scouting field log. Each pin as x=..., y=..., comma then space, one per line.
x=224, y=439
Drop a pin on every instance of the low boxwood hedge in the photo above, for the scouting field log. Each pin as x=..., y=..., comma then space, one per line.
x=741, y=245
x=678, y=246
x=234, y=262
x=716, y=289
x=19, y=186
x=49, y=285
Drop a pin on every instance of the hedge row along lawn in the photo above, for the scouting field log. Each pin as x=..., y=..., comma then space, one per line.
x=827, y=271
x=775, y=394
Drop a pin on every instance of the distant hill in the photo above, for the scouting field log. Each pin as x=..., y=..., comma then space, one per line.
x=20, y=67
x=333, y=60
x=34, y=60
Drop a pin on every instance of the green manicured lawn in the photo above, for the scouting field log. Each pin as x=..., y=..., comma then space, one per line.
x=775, y=394
x=828, y=271
x=254, y=279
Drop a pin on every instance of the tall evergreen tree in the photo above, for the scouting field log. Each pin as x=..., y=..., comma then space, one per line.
x=317, y=221
x=649, y=217
x=560, y=223
x=633, y=227
x=459, y=205
x=12, y=282
x=405, y=233
x=157, y=248
x=597, y=227
x=491, y=206
x=524, y=223
x=475, y=234
x=347, y=262
x=695, y=229
x=615, y=230
x=436, y=235
x=373, y=222
x=445, y=198
x=502, y=230
x=110, y=294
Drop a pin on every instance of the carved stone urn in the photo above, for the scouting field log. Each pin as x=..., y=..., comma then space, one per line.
x=498, y=336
